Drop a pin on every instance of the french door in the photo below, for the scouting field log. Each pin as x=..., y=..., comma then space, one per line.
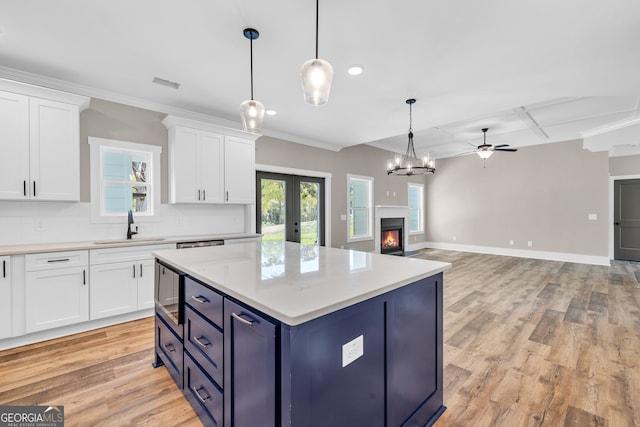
x=290, y=208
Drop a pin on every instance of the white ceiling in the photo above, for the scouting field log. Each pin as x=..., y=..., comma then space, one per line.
x=532, y=72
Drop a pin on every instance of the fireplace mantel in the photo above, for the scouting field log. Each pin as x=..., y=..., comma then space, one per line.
x=384, y=211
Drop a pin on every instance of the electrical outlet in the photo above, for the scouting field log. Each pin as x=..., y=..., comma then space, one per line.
x=593, y=217
x=530, y=243
x=352, y=350
x=41, y=225
x=455, y=238
x=511, y=242
x=343, y=217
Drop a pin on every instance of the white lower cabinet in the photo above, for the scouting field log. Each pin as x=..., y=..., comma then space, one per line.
x=5, y=297
x=56, y=289
x=122, y=280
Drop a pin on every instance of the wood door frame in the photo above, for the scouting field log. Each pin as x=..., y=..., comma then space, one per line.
x=310, y=173
x=612, y=179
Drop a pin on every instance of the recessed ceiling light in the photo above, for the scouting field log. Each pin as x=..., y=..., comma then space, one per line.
x=271, y=112
x=167, y=83
x=355, y=70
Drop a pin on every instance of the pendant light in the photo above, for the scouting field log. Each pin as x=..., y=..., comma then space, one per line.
x=410, y=164
x=251, y=111
x=317, y=75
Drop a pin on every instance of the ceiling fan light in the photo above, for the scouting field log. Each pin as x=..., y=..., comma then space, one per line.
x=484, y=154
x=252, y=115
x=317, y=75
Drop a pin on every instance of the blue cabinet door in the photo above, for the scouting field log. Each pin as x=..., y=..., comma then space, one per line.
x=250, y=368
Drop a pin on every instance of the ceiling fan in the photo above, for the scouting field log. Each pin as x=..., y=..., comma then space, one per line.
x=486, y=150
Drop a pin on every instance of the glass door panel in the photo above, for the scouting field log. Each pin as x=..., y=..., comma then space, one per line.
x=309, y=212
x=273, y=209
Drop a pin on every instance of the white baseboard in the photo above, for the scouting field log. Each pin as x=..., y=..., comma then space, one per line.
x=522, y=253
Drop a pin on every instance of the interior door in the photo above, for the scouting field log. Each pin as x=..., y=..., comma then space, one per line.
x=290, y=208
x=626, y=213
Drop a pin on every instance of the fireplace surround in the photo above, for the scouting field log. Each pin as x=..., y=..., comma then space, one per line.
x=391, y=236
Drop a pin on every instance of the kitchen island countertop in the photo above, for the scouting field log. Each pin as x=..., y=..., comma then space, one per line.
x=296, y=283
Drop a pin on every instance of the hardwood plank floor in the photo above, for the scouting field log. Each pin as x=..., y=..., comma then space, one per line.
x=527, y=343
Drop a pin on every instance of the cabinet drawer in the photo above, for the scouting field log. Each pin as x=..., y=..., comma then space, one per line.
x=169, y=348
x=51, y=260
x=126, y=253
x=205, y=301
x=204, y=396
x=204, y=342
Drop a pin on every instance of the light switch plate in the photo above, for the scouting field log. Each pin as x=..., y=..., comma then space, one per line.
x=593, y=217
x=352, y=350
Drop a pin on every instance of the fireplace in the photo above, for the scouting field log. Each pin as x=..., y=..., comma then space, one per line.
x=391, y=236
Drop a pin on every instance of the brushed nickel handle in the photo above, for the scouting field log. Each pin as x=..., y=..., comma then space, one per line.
x=245, y=321
x=169, y=347
x=200, y=343
x=200, y=299
x=197, y=392
x=58, y=260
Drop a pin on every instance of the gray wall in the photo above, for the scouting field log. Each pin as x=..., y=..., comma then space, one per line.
x=357, y=160
x=627, y=165
x=541, y=194
x=104, y=119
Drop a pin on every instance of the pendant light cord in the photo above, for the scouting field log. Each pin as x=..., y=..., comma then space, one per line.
x=317, y=13
x=410, y=117
x=251, y=53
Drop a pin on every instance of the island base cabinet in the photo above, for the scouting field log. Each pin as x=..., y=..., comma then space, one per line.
x=249, y=368
x=169, y=349
x=337, y=365
x=205, y=398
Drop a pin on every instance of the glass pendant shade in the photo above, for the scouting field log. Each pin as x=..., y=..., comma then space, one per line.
x=252, y=115
x=317, y=75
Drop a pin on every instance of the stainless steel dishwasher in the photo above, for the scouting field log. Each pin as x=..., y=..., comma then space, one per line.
x=199, y=244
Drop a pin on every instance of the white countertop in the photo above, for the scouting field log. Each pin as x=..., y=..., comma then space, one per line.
x=31, y=248
x=296, y=283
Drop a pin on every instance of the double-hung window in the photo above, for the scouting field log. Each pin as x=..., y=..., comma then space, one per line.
x=360, y=191
x=124, y=177
x=416, y=208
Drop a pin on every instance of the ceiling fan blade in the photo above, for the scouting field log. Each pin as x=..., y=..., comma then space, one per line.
x=501, y=145
x=506, y=149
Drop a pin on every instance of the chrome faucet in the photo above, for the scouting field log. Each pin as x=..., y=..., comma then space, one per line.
x=130, y=221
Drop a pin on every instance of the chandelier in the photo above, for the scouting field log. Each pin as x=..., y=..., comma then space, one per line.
x=409, y=163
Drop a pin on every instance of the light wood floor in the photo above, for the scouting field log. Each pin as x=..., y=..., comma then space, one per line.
x=527, y=343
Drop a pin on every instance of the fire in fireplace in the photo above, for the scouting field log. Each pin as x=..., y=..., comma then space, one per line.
x=391, y=232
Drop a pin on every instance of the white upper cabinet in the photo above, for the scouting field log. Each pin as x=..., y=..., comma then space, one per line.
x=39, y=142
x=240, y=170
x=210, y=164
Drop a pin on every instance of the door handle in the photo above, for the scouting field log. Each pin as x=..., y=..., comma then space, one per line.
x=4, y=268
x=24, y=188
x=34, y=189
x=134, y=271
x=84, y=277
x=141, y=270
x=204, y=195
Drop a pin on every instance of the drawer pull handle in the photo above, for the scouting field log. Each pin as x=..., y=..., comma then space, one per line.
x=58, y=260
x=245, y=321
x=84, y=277
x=200, y=299
x=169, y=347
x=197, y=392
x=200, y=343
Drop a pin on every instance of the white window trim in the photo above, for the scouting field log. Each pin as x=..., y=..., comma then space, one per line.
x=95, y=173
x=370, y=236
x=421, y=230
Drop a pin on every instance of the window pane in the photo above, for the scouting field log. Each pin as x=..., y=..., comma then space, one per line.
x=120, y=198
x=359, y=194
x=414, y=220
x=124, y=166
x=359, y=222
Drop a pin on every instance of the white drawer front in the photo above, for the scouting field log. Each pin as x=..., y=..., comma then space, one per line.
x=51, y=260
x=126, y=253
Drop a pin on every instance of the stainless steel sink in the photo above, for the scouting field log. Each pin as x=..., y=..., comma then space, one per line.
x=120, y=241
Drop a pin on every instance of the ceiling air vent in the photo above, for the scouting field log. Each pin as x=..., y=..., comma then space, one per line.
x=167, y=83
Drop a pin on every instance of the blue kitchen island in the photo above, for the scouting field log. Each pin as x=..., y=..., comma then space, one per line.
x=283, y=334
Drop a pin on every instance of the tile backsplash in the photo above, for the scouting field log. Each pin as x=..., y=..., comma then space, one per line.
x=45, y=222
